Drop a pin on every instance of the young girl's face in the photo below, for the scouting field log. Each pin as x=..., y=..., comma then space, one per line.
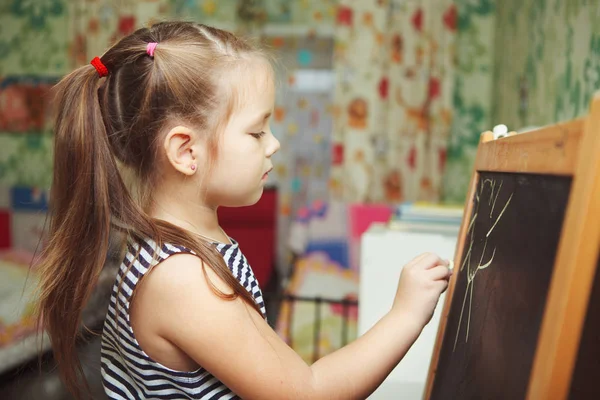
x=247, y=143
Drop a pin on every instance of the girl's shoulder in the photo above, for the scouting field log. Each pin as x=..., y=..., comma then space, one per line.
x=152, y=252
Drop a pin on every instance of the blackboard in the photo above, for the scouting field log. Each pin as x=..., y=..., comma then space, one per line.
x=501, y=287
x=586, y=375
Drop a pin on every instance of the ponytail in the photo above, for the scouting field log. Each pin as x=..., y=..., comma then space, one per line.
x=79, y=217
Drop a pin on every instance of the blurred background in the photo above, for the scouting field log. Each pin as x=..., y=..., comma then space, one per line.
x=379, y=108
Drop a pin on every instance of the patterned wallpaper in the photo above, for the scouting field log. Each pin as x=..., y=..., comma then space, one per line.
x=547, y=60
x=522, y=63
x=473, y=93
x=519, y=62
x=34, y=37
x=394, y=65
x=34, y=53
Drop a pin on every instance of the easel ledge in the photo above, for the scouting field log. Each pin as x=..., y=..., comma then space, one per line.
x=566, y=149
x=550, y=150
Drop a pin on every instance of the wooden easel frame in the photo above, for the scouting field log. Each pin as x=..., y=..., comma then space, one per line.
x=565, y=149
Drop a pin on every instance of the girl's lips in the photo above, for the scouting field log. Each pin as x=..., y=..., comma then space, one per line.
x=266, y=175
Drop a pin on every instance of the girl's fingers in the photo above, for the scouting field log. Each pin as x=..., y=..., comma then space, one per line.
x=439, y=272
x=430, y=260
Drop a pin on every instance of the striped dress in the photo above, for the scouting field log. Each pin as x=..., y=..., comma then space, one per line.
x=127, y=371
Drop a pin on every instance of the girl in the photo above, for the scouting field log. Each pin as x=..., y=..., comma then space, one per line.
x=184, y=109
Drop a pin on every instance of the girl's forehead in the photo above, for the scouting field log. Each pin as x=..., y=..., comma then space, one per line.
x=253, y=87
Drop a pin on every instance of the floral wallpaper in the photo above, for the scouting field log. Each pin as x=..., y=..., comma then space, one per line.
x=34, y=37
x=34, y=53
x=394, y=64
x=472, y=94
x=521, y=63
x=305, y=13
x=550, y=76
x=408, y=111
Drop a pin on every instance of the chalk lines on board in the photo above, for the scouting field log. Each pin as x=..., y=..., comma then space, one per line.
x=495, y=199
x=471, y=271
x=499, y=216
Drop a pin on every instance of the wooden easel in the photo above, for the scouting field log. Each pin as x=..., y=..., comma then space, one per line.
x=565, y=149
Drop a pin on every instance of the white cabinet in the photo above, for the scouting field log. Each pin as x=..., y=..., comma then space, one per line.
x=383, y=253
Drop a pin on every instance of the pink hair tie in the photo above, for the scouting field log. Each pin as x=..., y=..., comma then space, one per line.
x=150, y=48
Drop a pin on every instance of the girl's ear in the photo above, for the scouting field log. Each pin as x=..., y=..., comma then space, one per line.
x=182, y=149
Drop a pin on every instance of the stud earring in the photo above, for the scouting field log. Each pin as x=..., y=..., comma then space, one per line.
x=193, y=167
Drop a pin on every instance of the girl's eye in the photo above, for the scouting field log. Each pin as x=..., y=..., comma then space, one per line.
x=258, y=135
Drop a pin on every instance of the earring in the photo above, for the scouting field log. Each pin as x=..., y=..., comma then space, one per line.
x=193, y=167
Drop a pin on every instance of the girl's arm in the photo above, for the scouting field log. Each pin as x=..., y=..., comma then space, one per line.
x=234, y=343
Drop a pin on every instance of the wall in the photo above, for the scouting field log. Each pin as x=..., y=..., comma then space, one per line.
x=521, y=63
x=34, y=53
x=472, y=99
x=547, y=60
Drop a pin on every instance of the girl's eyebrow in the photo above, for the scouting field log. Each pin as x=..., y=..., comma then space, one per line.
x=263, y=118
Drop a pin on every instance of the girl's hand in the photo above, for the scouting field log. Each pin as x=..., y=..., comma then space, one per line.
x=421, y=283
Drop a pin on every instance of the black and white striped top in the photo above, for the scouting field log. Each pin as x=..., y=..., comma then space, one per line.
x=127, y=371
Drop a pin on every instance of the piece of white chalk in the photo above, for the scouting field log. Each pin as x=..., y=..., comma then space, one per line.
x=451, y=265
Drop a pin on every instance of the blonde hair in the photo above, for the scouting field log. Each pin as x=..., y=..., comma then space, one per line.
x=101, y=124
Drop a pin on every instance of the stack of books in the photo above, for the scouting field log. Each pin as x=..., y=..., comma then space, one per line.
x=427, y=217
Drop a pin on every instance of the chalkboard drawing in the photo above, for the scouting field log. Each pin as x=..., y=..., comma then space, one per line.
x=471, y=270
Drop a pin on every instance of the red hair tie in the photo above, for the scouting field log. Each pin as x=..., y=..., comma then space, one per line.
x=101, y=68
